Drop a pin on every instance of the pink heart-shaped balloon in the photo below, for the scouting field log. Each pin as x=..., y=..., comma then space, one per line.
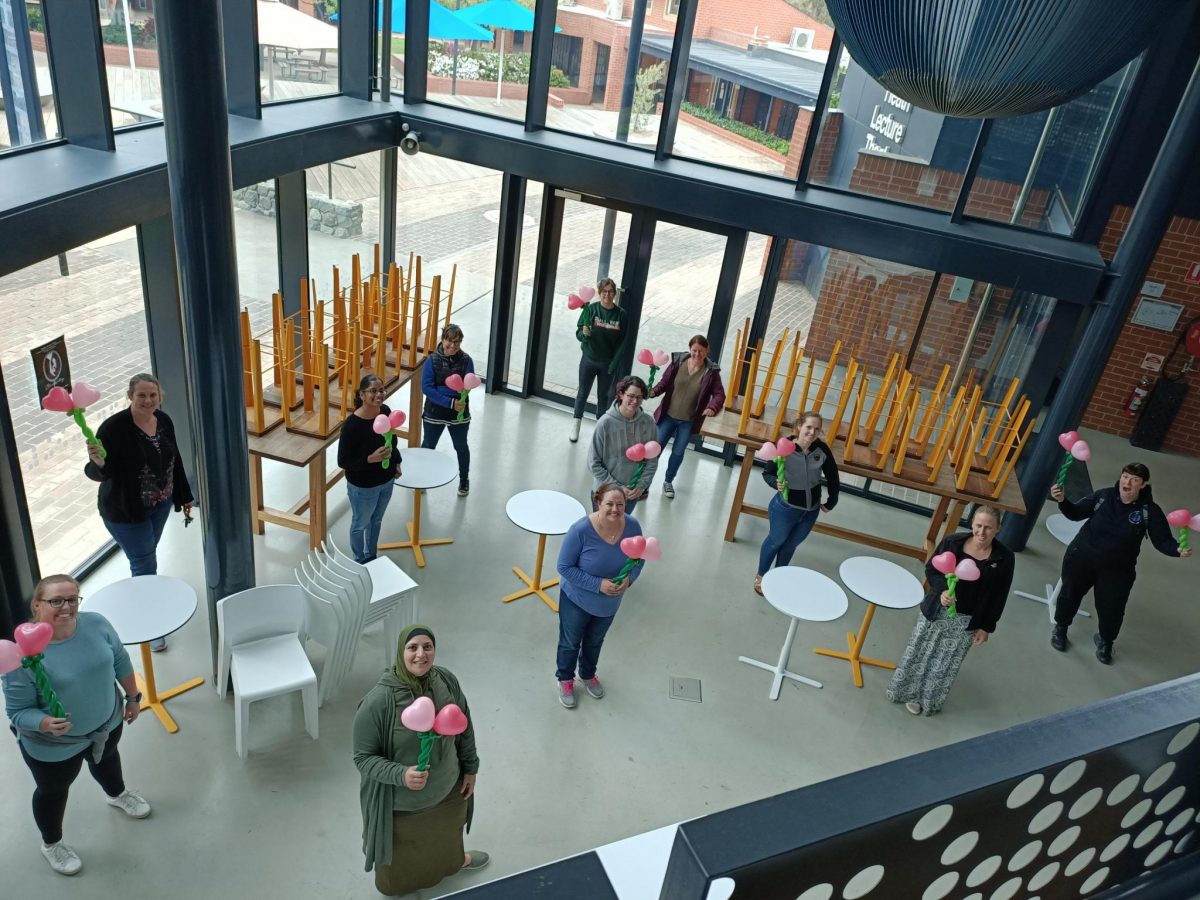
x=944, y=562
x=587, y=292
x=767, y=451
x=419, y=715
x=634, y=547
x=10, y=657
x=381, y=424
x=636, y=453
x=471, y=381
x=450, y=720
x=967, y=570
x=454, y=382
x=661, y=357
x=1195, y=523
x=653, y=551
x=58, y=400
x=1180, y=518
x=1081, y=451
x=653, y=448
x=396, y=419
x=785, y=446
x=574, y=301
x=32, y=637
x=84, y=395
x=645, y=357
x=1067, y=439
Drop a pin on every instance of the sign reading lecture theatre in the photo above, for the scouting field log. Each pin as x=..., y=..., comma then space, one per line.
x=889, y=120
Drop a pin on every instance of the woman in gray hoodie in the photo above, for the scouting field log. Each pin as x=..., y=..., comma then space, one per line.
x=624, y=425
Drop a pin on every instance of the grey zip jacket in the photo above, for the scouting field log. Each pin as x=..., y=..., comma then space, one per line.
x=803, y=472
x=614, y=435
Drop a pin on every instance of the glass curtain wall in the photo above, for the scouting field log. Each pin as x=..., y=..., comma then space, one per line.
x=29, y=110
x=129, y=39
x=297, y=45
x=254, y=212
x=519, y=347
x=486, y=74
x=343, y=219
x=91, y=295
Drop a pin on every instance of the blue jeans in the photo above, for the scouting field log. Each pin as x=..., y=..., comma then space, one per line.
x=367, y=506
x=458, y=434
x=681, y=430
x=139, y=540
x=580, y=637
x=789, y=526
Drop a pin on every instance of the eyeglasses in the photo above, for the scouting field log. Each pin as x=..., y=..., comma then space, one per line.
x=637, y=398
x=57, y=602
x=374, y=391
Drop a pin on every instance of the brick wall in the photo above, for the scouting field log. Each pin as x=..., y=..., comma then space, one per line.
x=738, y=19
x=1177, y=252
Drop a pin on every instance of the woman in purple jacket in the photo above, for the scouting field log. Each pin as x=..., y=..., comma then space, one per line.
x=692, y=390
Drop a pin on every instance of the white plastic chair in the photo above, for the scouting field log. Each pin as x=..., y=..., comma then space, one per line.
x=259, y=636
x=390, y=590
x=350, y=610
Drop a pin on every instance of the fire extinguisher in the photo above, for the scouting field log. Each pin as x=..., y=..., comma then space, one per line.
x=1138, y=396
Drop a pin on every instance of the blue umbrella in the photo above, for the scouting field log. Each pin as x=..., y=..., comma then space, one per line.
x=443, y=24
x=500, y=14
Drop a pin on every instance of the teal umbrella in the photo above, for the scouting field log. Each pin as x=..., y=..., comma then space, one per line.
x=443, y=24
x=500, y=14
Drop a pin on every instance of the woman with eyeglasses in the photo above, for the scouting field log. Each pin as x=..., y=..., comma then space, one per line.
x=601, y=330
x=371, y=468
x=623, y=425
x=85, y=662
x=442, y=404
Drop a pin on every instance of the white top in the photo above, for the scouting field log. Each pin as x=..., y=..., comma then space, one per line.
x=422, y=468
x=544, y=512
x=144, y=608
x=804, y=594
x=1063, y=528
x=881, y=582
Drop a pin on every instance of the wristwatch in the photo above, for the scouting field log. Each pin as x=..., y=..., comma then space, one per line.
x=134, y=698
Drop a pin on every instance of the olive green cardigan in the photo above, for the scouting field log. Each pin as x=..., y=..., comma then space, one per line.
x=382, y=753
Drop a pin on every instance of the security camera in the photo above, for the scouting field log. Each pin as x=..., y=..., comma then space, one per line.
x=411, y=143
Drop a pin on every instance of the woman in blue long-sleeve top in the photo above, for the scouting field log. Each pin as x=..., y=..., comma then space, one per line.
x=442, y=405
x=588, y=599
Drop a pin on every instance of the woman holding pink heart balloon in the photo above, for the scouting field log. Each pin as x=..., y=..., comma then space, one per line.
x=371, y=463
x=692, y=390
x=141, y=476
x=1103, y=556
x=446, y=405
x=969, y=576
x=590, y=564
x=621, y=429
x=601, y=329
x=414, y=747
x=82, y=662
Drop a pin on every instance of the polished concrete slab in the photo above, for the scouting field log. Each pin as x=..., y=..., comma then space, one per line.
x=556, y=782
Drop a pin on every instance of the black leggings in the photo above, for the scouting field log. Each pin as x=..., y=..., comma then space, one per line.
x=458, y=434
x=589, y=371
x=54, y=779
x=1082, y=572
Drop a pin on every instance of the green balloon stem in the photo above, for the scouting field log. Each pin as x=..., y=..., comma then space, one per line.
x=462, y=398
x=42, y=680
x=626, y=569
x=387, y=442
x=637, y=475
x=653, y=372
x=1183, y=537
x=781, y=477
x=427, y=738
x=1062, y=470
x=77, y=415
x=951, y=584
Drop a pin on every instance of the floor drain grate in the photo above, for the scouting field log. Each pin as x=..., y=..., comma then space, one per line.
x=685, y=689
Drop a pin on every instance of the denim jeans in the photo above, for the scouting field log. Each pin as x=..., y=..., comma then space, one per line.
x=139, y=540
x=367, y=506
x=590, y=371
x=580, y=637
x=789, y=526
x=681, y=430
x=458, y=434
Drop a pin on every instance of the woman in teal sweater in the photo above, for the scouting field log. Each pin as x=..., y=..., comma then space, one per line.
x=413, y=821
x=84, y=662
x=601, y=331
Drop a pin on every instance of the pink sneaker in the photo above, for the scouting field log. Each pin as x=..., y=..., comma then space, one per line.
x=594, y=688
x=566, y=693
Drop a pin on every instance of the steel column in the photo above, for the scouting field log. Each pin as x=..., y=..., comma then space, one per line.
x=504, y=289
x=416, y=51
x=18, y=560
x=243, y=58
x=540, y=51
x=818, y=113
x=356, y=47
x=77, y=70
x=291, y=236
x=677, y=77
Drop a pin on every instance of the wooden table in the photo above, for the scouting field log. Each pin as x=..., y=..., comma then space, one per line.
x=944, y=521
x=308, y=514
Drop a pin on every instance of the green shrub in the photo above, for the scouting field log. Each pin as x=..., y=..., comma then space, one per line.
x=143, y=35
x=34, y=15
x=778, y=144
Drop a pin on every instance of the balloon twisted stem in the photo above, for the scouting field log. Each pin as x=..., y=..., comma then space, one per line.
x=951, y=584
x=781, y=477
x=77, y=415
x=630, y=563
x=427, y=739
x=42, y=680
x=1063, y=469
x=637, y=475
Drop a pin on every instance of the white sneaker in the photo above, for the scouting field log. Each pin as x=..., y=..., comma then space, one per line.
x=133, y=805
x=62, y=858
x=913, y=707
x=574, y=436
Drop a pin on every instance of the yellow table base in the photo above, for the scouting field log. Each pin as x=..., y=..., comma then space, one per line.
x=855, y=657
x=535, y=585
x=152, y=699
x=415, y=542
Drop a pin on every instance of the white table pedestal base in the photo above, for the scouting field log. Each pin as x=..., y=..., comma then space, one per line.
x=1050, y=599
x=780, y=668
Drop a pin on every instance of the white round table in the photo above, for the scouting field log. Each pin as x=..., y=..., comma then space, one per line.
x=880, y=583
x=542, y=513
x=799, y=594
x=1064, y=530
x=422, y=468
x=141, y=610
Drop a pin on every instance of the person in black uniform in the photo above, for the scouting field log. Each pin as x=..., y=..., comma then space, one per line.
x=1103, y=556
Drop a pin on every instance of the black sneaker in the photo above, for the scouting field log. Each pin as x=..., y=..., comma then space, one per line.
x=1103, y=649
x=1058, y=638
x=464, y=487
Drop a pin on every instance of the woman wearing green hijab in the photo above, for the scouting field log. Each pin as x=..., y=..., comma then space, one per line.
x=413, y=821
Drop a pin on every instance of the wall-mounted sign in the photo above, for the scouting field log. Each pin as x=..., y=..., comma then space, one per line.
x=1152, y=289
x=1157, y=314
x=889, y=120
x=1153, y=362
x=961, y=290
x=1193, y=274
x=50, y=366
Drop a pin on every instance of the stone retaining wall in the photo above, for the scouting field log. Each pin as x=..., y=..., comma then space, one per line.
x=340, y=218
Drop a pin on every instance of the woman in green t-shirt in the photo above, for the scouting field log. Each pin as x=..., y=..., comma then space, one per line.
x=601, y=332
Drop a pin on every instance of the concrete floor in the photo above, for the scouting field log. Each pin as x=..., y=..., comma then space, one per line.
x=556, y=782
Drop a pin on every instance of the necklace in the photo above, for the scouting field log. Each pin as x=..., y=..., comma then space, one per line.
x=610, y=535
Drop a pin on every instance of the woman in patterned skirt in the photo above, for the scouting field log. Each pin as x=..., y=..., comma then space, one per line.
x=940, y=641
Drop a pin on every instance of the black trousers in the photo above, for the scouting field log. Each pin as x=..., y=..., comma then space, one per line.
x=1083, y=571
x=458, y=434
x=590, y=371
x=54, y=780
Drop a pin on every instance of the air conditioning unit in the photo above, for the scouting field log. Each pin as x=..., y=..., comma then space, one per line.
x=802, y=39
x=615, y=9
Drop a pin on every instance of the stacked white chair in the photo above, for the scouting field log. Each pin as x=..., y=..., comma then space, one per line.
x=338, y=611
x=393, y=594
x=259, y=634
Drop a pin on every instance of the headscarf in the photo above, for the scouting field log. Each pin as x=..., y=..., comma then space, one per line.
x=418, y=686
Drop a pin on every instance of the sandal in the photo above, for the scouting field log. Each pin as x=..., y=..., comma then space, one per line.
x=758, y=585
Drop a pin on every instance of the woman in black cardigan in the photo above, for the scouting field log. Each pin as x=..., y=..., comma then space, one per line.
x=940, y=642
x=141, y=478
